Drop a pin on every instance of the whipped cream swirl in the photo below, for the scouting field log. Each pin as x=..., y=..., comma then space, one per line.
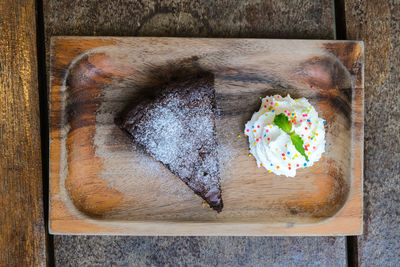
x=273, y=148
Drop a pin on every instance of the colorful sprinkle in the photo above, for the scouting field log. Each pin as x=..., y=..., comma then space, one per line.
x=290, y=168
x=269, y=171
x=324, y=122
x=272, y=164
x=288, y=151
x=283, y=154
x=276, y=104
x=277, y=167
x=255, y=130
x=297, y=165
x=297, y=100
x=273, y=110
x=255, y=143
x=284, y=158
x=305, y=164
x=239, y=136
x=258, y=126
x=312, y=86
x=252, y=126
x=249, y=155
x=248, y=130
x=269, y=139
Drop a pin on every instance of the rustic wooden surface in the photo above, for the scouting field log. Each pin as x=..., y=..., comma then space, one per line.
x=95, y=153
x=199, y=251
x=275, y=19
x=378, y=24
x=187, y=18
x=22, y=231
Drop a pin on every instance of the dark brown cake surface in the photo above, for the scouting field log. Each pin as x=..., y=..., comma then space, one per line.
x=177, y=128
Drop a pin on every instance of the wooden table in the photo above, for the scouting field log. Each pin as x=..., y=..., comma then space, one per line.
x=25, y=29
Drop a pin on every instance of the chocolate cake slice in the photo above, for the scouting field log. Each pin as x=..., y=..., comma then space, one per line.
x=177, y=128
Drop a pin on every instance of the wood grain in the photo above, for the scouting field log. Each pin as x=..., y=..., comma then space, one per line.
x=22, y=232
x=103, y=177
x=377, y=23
x=302, y=19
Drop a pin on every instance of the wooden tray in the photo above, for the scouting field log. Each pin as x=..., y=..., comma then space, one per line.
x=101, y=184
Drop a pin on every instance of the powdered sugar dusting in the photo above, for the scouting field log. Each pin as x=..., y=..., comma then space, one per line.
x=177, y=128
x=176, y=134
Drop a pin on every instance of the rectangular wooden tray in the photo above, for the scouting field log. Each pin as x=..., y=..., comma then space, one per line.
x=101, y=184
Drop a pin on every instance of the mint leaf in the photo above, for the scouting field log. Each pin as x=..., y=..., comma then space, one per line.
x=298, y=144
x=283, y=122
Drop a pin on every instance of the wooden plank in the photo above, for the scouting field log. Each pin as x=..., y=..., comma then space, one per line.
x=377, y=23
x=199, y=251
x=273, y=19
x=22, y=232
x=193, y=18
x=251, y=195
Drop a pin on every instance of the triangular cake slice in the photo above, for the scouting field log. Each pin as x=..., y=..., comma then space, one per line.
x=177, y=128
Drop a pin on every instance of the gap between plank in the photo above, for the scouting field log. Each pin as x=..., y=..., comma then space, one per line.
x=339, y=19
x=352, y=251
x=44, y=124
x=340, y=34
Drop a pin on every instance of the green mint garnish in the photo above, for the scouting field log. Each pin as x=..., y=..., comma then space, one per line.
x=283, y=122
